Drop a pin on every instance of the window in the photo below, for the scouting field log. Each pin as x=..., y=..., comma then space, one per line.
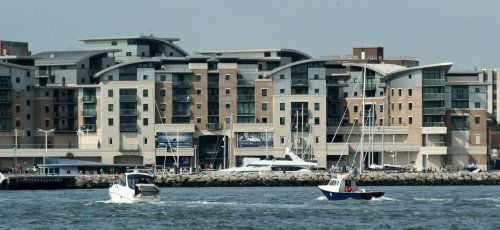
x=144, y=77
x=198, y=91
x=83, y=66
x=282, y=76
x=392, y=105
x=264, y=119
x=400, y=120
x=316, y=90
x=228, y=91
x=400, y=91
x=110, y=93
x=18, y=80
x=198, y=105
x=18, y=123
x=282, y=120
x=410, y=106
x=47, y=109
x=145, y=121
x=163, y=107
x=110, y=108
x=110, y=77
x=18, y=94
x=110, y=121
x=198, y=120
x=316, y=106
x=145, y=140
x=477, y=120
x=355, y=94
x=392, y=92
x=28, y=116
x=228, y=105
x=198, y=77
x=264, y=106
x=28, y=88
x=163, y=77
x=381, y=93
x=355, y=108
x=381, y=108
x=477, y=90
x=145, y=93
x=282, y=106
x=47, y=93
x=228, y=76
x=129, y=54
x=163, y=92
x=18, y=109
x=316, y=120
x=264, y=92
x=145, y=107
x=409, y=76
x=267, y=54
x=477, y=105
x=400, y=106
x=114, y=43
x=282, y=91
x=316, y=76
x=410, y=120
x=28, y=74
x=110, y=140
x=410, y=92
x=282, y=140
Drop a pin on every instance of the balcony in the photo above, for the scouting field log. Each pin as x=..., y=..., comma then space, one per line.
x=5, y=85
x=433, y=124
x=129, y=98
x=299, y=112
x=246, y=97
x=65, y=128
x=5, y=113
x=434, y=111
x=213, y=84
x=67, y=114
x=64, y=100
x=181, y=98
x=245, y=83
x=213, y=112
x=44, y=73
x=181, y=112
x=88, y=99
x=300, y=82
x=213, y=98
x=334, y=98
x=181, y=84
x=213, y=126
x=433, y=82
x=433, y=96
x=89, y=113
x=88, y=127
x=300, y=127
x=129, y=127
x=6, y=99
x=129, y=112
x=5, y=127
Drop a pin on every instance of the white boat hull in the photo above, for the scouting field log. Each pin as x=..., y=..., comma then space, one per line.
x=149, y=193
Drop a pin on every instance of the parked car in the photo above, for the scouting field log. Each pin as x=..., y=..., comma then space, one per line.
x=32, y=169
x=6, y=170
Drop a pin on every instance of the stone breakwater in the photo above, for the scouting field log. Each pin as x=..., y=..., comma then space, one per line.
x=313, y=179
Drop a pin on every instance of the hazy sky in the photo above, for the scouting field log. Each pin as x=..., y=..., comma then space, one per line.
x=466, y=33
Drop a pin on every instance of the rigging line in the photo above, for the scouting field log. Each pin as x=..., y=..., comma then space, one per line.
x=216, y=147
x=347, y=141
x=168, y=140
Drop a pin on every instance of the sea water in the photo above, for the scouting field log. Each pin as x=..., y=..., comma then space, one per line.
x=402, y=207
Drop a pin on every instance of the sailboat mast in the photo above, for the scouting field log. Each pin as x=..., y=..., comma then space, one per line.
x=302, y=130
x=363, y=117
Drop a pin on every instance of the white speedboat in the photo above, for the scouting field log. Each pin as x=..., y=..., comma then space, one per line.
x=134, y=187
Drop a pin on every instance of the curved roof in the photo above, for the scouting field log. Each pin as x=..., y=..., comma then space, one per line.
x=66, y=57
x=382, y=69
x=168, y=41
x=444, y=65
x=214, y=52
x=98, y=74
x=297, y=63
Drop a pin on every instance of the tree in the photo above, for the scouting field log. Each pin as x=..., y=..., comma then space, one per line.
x=69, y=155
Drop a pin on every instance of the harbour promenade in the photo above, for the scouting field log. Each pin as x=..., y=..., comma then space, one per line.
x=247, y=180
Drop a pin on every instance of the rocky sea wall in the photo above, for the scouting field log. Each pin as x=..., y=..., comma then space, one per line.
x=313, y=179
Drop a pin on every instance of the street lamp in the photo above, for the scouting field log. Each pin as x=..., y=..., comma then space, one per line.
x=46, y=134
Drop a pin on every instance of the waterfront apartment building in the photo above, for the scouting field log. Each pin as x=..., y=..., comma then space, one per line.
x=143, y=100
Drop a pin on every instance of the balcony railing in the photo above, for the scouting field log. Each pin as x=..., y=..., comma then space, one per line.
x=436, y=111
x=88, y=99
x=5, y=127
x=213, y=126
x=128, y=112
x=64, y=100
x=5, y=113
x=213, y=98
x=59, y=114
x=181, y=98
x=300, y=82
x=433, y=82
x=44, y=73
x=182, y=112
x=129, y=127
x=89, y=113
x=128, y=98
x=299, y=127
x=433, y=124
x=181, y=84
x=246, y=97
x=433, y=96
x=248, y=83
x=212, y=112
x=6, y=99
x=299, y=112
x=88, y=127
x=65, y=128
x=5, y=85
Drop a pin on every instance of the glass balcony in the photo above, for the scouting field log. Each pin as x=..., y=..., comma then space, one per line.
x=433, y=124
x=181, y=112
x=300, y=82
x=129, y=127
x=433, y=82
x=181, y=98
x=246, y=97
x=5, y=127
x=213, y=126
x=247, y=83
x=5, y=99
x=128, y=112
x=59, y=114
x=44, y=73
x=88, y=99
x=181, y=84
x=213, y=98
x=128, y=98
x=433, y=96
x=5, y=85
x=434, y=111
x=88, y=127
x=89, y=113
x=299, y=127
x=5, y=113
x=64, y=100
x=299, y=112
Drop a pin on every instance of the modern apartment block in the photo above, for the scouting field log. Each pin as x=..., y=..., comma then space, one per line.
x=144, y=100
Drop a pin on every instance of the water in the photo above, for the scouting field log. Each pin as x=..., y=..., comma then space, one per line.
x=420, y=207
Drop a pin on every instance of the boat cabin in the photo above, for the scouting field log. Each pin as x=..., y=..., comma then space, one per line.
x=131, y=180
x=343, y=183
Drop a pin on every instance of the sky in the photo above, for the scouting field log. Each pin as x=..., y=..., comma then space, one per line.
x=465, y=32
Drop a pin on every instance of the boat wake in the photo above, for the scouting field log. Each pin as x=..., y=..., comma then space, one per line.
x=322, y=198
x=485, y=199
x=384, y=198
x=431, y=199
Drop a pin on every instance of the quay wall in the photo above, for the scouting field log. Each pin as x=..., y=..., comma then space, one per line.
x=313, y=179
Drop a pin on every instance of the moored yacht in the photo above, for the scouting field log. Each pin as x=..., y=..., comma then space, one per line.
x=134, y=187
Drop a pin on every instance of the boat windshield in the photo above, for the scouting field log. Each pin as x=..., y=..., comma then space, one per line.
x=139, y=179
x=333, y=182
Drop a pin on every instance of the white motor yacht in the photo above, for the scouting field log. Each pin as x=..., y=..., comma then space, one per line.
x=133, y=187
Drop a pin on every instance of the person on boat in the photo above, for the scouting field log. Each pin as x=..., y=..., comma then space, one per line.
x=348, y=187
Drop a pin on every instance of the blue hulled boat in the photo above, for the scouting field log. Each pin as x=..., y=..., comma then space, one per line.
x=344, y=187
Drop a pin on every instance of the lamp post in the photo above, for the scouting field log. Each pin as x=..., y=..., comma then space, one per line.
x=15, y=150
x=46, y=134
